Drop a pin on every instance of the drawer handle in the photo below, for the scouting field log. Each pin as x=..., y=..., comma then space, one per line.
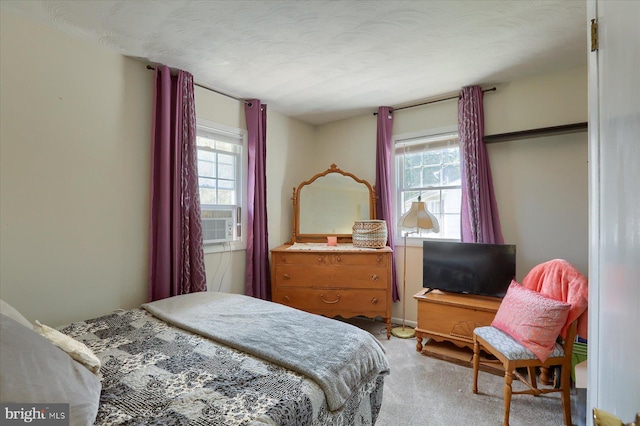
x=286, y=276
x=331, y=302
x=338, y=259
x=286, y=298
x=321, y=259
x=374, y=277
x=379, y=259
x=374, y=300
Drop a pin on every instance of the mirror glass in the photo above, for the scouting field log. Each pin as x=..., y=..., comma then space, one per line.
x=331, y=204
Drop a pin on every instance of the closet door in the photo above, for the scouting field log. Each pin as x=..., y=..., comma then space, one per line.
x=614, y=189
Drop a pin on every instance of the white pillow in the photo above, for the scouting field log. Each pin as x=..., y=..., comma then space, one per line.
x=77, y=350
x=11, y=312
x=35, y=371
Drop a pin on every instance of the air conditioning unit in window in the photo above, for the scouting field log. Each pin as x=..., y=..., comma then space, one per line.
x=217, y=224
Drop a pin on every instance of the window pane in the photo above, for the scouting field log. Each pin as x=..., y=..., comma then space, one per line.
x=413, y=160
x=450, y=226
x=226, y=159
x=451, y=174
x=206, y=155
x=431, y=158
x=208, y=196
x=226, y=197
x=226, y=184
x=206, y=168
x=451, y=155
x=413, y=178
x=451, y=200
x=206, y=182
x=226, y=171
x=431, y=176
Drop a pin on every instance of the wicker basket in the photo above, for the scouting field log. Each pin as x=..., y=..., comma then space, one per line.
x=369, y=233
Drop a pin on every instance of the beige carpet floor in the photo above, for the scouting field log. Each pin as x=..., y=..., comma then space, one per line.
x=422, y=390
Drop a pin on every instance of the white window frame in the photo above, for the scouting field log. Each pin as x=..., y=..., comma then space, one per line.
x=413, y=240
x=228, y=132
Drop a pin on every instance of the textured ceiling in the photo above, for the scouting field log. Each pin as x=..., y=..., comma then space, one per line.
x=321, y=61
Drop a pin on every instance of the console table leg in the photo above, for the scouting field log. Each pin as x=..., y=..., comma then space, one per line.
x=419, y=344
x=388, y=328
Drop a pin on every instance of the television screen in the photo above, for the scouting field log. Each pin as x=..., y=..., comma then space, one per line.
x=469, y=268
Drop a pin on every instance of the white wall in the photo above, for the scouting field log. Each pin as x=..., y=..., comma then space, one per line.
x=290, y=148
x=350, y=144
x=74, y=175
x=544, y=101
x=542, y=190
x=541, y=184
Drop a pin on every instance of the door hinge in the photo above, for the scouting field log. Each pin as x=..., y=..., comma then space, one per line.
x=594, y=35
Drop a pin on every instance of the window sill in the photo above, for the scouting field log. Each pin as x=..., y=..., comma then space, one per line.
x=225, y=247
x=417, y=242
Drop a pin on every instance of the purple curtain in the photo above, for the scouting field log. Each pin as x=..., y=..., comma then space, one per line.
x=479, y=214
x=384, y=197
x=176, y=257
x=258, y=279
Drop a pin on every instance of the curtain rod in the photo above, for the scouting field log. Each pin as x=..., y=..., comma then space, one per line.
x=149, y=67
x=493, y=89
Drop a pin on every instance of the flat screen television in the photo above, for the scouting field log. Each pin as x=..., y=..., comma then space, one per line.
x=469, y=268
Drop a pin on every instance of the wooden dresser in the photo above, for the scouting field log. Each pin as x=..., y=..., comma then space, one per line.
x=342, y=281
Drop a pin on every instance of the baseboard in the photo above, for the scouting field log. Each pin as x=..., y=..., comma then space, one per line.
x=412, y=324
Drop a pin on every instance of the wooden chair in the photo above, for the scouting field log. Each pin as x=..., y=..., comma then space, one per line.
x=514, y=356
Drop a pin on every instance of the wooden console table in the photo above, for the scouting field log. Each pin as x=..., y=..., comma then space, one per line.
x=448, y=320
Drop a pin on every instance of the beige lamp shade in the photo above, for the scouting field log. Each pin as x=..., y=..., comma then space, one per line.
x=418, y=217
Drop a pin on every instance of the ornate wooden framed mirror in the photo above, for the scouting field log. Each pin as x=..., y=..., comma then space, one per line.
x=329, y=203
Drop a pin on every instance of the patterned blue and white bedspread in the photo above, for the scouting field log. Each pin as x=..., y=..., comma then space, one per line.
x=155, y=373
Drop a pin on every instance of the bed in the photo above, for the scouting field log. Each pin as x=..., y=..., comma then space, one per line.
x=204, y=359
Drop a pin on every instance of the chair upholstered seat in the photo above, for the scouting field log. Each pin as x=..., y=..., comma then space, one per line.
x=508, y=346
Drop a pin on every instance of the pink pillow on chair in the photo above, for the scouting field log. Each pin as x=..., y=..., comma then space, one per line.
x=532, y=319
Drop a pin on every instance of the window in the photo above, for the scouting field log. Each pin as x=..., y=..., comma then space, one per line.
x=221, y=171
x=428, y=168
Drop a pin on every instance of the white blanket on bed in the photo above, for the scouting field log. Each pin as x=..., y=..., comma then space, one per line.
x=337, y=356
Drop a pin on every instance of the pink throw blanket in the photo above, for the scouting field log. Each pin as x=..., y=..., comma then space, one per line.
x=560, y=280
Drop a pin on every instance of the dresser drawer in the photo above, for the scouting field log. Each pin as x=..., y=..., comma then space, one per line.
x=298, y=258
x=332, y=259
x=368, y=259
x=362, y=302
x=318, y=276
